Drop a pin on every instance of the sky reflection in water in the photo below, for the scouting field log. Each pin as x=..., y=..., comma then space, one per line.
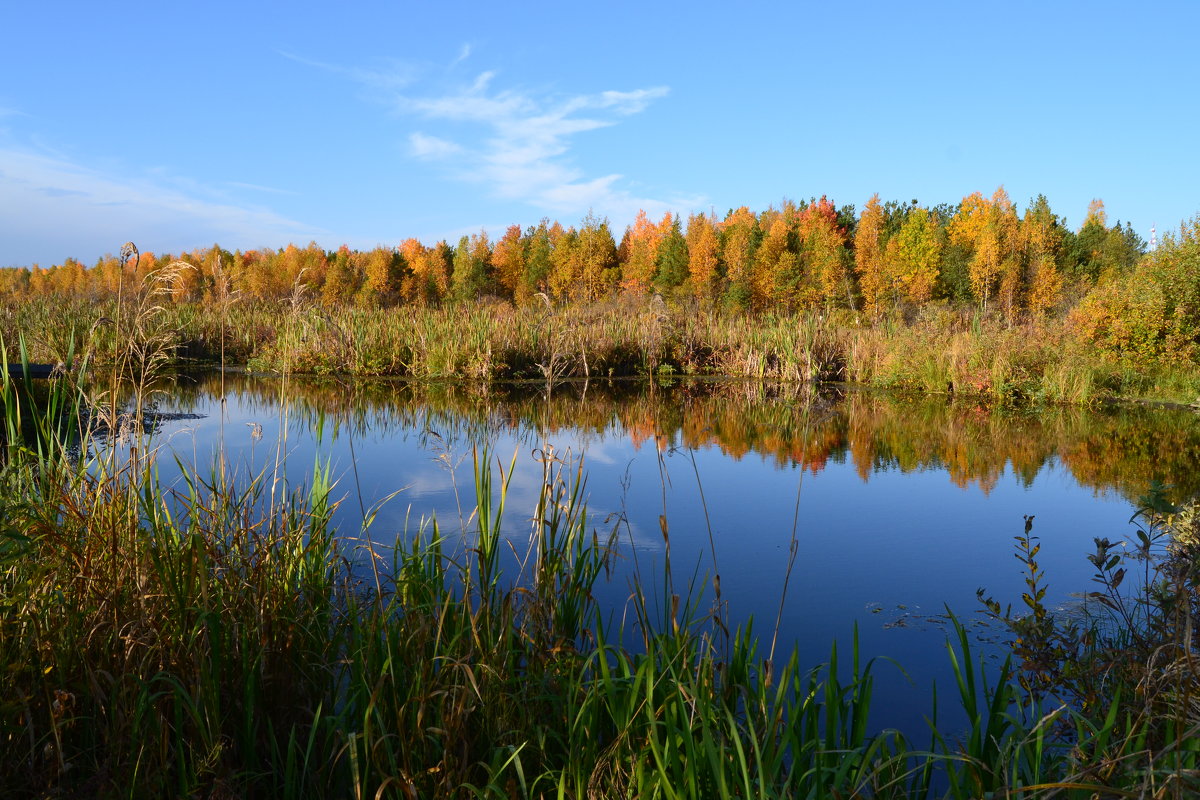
x=905, y=506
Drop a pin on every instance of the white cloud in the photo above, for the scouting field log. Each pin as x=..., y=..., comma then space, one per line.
x=518, y=143
x=525, y=147
x=86, y=212
x=576, y=194
x=431, y=147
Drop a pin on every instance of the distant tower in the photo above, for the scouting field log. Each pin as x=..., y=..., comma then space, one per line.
x=1153, y=238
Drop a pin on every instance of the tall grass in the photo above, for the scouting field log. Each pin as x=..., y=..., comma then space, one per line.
x=220, y=639
x=193, y=642
x=940, y=350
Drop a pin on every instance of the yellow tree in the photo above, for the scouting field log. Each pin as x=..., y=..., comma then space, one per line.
x=188, y=284
x=240, y=273
x=268, y=274
x=703, y=247
x=966, y=226
x=1042, y=238
x=597, y=259
x=147, y=263
x=869, y=256
x=823, y=244
x=415, y=286
x=67, y=278
x=108, y=277
x=196, y=281
x=14, y=281
x=776, y=274
x=214, y=266
x=739, y=233
x=381, y=276
x=564, y=261
x=1096, y=214
x=439, y=261
x=293, y=265
x=39, y=281
x=976, y=228
x=508, y=261
x=914, y=256
x=638, y=271
x=341, y=281
x=1011, y=287
x=985, y=266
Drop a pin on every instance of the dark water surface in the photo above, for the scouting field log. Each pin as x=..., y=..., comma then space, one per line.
x=898, y=507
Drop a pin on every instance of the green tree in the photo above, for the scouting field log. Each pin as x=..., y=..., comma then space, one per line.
x=539, y=248
x=1097, y=249
x=672, y=257
x=472, y=267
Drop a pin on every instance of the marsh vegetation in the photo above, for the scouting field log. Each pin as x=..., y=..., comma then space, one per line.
x=218, y=625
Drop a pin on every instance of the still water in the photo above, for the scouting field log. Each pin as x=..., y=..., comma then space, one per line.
x=822, y=511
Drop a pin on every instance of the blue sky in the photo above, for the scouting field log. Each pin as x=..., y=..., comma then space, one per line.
x=177, y=125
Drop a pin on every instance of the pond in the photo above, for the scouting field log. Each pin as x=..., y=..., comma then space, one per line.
x=821, y=510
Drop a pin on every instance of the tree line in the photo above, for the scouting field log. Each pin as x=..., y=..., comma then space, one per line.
x=801, y=255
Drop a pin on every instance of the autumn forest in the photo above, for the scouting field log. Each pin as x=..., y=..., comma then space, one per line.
x=902, y=271
x=800, y=255
x=174, y=624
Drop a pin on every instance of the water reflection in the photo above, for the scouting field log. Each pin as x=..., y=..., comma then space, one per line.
x=898, y=507
x=1119, y=449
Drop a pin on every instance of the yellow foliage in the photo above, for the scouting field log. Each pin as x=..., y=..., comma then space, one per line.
x=738, y=234
x=703, y=248
x=644, y=239
x=869, y=255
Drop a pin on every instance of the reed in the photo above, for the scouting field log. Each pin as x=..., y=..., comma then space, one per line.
x=940, y=350
x=209, y=641
x=219, y=638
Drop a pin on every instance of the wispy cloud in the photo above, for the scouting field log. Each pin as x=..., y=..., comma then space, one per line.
x=392, y=75
x=86, y=212
x=431, y=147
x=519, y=142
x=464, y=53
x=54, y=191
x=8, y=114
x=257, y=188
